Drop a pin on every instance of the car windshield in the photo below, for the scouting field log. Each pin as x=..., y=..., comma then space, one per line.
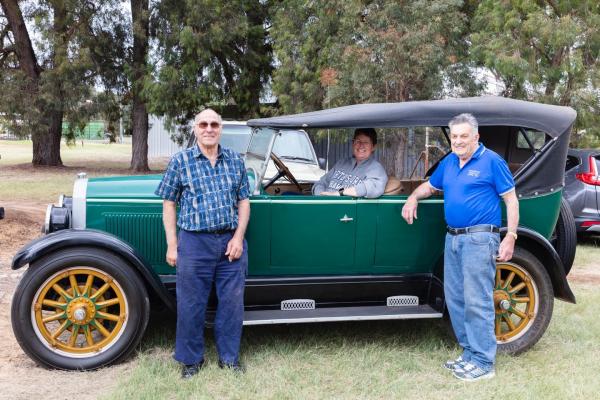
x=235, y=137
x=294, y=145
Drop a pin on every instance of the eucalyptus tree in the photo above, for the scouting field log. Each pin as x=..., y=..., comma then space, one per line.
x=47, y=71
x=546, y=51
x=209, y=52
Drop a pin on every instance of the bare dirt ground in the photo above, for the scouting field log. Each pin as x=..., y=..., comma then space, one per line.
x=20, y=378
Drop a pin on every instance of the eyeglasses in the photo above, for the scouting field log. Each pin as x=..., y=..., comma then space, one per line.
x=205, y=124
x=359, y=143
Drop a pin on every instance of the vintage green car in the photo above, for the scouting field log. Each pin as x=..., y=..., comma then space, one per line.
x=92, y=280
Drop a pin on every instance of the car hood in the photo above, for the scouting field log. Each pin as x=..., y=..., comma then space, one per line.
x=303, y=172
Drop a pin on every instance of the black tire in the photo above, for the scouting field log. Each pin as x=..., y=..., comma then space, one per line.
x=539, y=288
x=564, y=237
x=103, y=327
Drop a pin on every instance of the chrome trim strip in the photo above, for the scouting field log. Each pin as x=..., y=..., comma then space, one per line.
x=47, y=219
x=349, y=318
x=145, y=201
x=276, y=201
x=79, y=203
x=593, y=228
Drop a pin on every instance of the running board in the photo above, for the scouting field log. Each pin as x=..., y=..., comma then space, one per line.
x=365, y=313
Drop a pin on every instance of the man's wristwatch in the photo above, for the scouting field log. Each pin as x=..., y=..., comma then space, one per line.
x=513, y=234
x=341, y=191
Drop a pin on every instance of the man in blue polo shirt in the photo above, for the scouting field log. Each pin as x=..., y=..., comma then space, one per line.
x=473, y=179
x=210, y=185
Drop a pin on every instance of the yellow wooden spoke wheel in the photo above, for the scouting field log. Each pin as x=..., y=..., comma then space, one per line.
x=515, y=300
x=523, y=302
x=79, y=311
x=80, y=308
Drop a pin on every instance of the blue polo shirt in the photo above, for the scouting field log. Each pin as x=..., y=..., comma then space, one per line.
x=472, y=193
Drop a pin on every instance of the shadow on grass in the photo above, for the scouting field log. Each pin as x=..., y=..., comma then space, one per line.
x=589, y=239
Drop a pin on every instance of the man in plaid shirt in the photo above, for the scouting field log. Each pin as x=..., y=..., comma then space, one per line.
x=210, y=185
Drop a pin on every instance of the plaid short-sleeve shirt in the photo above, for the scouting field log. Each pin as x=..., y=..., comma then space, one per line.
x=207, y=196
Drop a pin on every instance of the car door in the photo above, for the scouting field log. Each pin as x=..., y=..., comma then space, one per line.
x=313, y=235
x=402, y=248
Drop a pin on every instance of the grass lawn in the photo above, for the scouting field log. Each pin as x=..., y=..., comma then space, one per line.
x=395, y=359
x=20, y=181
x=380, y=360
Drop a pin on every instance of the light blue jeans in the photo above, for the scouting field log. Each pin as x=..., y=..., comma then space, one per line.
x=469, y=274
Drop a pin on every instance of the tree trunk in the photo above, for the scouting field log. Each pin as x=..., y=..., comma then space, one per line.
x=139, y=114
x=139, y=148
x=46, y=140
x=46, y=143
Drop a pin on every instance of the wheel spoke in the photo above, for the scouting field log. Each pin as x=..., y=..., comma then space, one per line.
x=515, y=289
x=508, y=280
x=54, y=304
x=107, y=303
x=88, y=335
x=61, y=291
x=509, y=322
x=58, y=315
x=518, y=313
x=498, y=278
x=101, y=329
x=110, y=317
x=61, y=329
x=74, y=334
x=74, y=286
x=521, y=299
x=498, y=326
x=88, y=285
x=100, y=291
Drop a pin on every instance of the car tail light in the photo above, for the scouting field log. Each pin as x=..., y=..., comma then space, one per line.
x=591, y=177
x=587, y=224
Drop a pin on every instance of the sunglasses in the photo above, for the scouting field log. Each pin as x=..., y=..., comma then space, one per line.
x=205, y=124
x=361, y=142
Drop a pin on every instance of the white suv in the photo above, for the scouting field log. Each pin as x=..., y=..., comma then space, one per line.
x=293, y=147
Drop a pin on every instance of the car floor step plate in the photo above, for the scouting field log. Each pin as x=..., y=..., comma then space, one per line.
x=363, y=313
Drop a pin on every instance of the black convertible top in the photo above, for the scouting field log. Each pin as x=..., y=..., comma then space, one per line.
x=489, y=111
x=542, y=173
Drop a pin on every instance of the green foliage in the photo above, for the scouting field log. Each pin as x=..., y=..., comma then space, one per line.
x=208, y=58
x=545, y=51
x=71, y=39
x=344, y=52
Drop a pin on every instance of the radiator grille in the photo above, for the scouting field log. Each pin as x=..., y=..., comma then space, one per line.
x=143, y=231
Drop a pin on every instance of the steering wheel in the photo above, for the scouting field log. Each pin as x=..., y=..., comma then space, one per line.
x=282, y=171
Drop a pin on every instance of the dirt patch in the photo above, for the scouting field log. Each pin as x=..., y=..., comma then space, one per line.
x=20, y=377
x=585, y=274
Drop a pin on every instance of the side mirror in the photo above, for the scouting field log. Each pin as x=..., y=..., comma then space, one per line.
x=322, y=162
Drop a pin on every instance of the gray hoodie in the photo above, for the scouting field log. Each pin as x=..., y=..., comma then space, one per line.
x=368, y=177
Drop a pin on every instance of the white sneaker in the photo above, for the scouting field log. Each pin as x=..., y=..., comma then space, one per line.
x=470, y=372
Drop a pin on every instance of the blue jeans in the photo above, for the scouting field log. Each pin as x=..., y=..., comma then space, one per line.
x=469, y=273
x=201, y=261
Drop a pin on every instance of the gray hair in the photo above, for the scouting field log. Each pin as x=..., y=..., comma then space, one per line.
x=197, y=117
x=465, y=118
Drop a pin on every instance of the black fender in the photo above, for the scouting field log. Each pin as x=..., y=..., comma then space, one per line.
x=69, y=238
x=540, y=247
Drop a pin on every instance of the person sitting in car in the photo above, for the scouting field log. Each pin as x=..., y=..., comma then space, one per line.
x=359, y=175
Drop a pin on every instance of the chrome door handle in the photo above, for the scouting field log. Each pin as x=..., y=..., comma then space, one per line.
x=346, y=218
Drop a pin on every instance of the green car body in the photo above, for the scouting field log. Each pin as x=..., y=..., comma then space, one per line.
x=92, y=279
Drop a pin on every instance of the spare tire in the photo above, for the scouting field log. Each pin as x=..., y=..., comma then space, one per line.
x=564, y=237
